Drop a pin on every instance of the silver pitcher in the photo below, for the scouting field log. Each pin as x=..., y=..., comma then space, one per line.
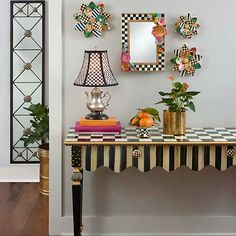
x=96, y=105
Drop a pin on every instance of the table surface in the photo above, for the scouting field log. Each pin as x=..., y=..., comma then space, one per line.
x=128, y=136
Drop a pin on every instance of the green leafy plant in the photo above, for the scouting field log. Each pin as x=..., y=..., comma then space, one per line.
x=179, y=99
x=40, y=126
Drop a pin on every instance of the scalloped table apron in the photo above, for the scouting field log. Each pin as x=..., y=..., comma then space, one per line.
x=198, y=148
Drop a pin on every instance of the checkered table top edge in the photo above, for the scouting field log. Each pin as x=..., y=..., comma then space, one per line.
x=129, y=135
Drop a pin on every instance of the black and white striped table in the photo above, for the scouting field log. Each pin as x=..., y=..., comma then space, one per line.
x=198, y=148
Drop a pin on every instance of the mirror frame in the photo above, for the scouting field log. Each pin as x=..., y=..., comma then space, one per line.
x=125, y=40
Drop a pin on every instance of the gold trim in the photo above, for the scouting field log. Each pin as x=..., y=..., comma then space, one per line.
x=45, y=193
x=71, y=143
x=44, y=177
x=77, y=169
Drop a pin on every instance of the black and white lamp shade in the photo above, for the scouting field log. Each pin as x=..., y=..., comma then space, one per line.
x=96, y=70
x=27, y=70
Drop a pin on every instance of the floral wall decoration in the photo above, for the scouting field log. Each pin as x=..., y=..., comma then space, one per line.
x=186, y=60
x=93, y=20
x=187, y=26
x=159, y=30
x=126, y=65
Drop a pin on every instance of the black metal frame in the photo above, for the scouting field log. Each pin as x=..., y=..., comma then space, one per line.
x=12, y=160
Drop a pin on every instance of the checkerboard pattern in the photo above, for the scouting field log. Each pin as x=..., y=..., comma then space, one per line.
x=199, y=135
x=200, y=147
x=160, y=66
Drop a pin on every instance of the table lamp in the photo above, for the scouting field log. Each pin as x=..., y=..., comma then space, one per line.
x=96, y=72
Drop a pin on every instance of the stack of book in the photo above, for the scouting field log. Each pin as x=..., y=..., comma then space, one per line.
x=109, y=126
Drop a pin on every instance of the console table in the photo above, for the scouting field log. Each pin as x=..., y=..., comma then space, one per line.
x=198, y=148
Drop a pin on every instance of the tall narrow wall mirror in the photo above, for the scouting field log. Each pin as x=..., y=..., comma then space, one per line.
x=143, y=42
x=27, y=70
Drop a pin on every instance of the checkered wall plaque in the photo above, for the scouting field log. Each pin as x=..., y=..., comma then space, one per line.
x=27, y=73
x=142, y=17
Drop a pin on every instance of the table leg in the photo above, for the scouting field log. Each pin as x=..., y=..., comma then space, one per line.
x=77, y=190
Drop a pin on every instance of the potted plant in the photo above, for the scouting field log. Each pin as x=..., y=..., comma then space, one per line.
x=39, y=132
x=178, y=101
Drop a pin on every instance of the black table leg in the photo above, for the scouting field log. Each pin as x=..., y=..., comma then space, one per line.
x=77, y=190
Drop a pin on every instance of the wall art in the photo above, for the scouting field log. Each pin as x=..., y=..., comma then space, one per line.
x=27, y=74
x=186, y=60
x=187, y=26
x=143, y=42
x=93, y=20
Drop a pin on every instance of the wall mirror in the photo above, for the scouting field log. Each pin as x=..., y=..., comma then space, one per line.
x=27, y=73
x=143, y=42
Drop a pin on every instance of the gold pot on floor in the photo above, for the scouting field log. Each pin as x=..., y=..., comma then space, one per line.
x=174, y=122
x=44, y=171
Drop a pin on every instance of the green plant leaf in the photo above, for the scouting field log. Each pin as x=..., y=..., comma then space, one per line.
x=40, y=124
x=159, y=102
x=191, y=106
x=194, y=19
x=177, y=86
x=164, y=94
x=178, y=30
x=151, y=111
x=87, y=34
x=173, y=60
x=92, y=5
x=157, y=117
x=192, y=93
x=197, y=66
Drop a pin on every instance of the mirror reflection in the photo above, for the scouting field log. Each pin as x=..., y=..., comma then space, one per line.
x=142, y=43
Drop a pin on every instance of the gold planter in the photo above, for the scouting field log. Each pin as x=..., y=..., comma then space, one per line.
x=44, y=171
x=174, y=122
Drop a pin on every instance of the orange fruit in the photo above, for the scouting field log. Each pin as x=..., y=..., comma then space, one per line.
x=146, y=122
x=135, y=121
x=143, y=114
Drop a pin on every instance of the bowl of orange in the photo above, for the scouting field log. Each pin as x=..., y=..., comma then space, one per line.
x=144, y=119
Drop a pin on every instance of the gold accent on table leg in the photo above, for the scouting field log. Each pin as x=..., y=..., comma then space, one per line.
x=81, y=228
x=77, y=176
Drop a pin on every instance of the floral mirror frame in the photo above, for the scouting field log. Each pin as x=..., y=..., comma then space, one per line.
x=158, y=31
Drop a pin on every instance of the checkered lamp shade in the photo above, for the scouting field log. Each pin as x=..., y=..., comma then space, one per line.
x=95, y=71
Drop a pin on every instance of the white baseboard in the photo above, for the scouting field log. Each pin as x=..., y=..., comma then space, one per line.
x=20, y=173
x=151, y=226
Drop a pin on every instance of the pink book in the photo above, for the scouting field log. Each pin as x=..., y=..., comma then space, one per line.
x=98, y=129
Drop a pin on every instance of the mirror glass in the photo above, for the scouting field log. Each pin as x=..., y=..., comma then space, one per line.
x=142, y=43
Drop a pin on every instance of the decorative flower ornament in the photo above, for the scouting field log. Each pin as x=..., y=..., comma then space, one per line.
x=186, y=60
x=159, y=30
x=187, y=26
x=92, y=20
x=126, y=65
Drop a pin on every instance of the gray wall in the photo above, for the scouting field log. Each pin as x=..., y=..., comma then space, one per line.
x=157, y=193
x=5, y=82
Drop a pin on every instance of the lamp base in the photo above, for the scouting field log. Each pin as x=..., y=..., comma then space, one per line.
x=96, y=116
